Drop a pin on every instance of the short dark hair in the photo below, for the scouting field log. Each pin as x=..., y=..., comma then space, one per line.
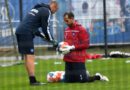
x=70, y=14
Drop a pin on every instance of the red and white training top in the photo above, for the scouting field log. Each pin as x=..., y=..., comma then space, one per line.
x=79, y=37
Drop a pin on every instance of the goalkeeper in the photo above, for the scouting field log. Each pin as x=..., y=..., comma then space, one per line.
x=38, y=17
x=75, y=53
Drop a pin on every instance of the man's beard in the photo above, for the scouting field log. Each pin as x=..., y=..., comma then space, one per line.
x=70, y=25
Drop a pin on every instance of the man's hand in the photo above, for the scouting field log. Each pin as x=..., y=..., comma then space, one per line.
x=54, y=43
x=66, y=49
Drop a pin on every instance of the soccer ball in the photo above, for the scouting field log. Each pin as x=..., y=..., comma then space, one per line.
x=63, y=44
x=55, y=76
x=63, y=47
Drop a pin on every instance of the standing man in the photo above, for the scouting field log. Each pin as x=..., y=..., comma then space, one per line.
x=39, y=16
x=78, y=39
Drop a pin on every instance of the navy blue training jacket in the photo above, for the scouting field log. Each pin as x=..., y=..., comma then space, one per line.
x=37, y=17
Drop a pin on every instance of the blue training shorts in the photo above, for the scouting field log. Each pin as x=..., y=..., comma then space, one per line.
x=25, y=43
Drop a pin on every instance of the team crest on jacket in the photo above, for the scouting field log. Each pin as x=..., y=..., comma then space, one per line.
x=73, y=33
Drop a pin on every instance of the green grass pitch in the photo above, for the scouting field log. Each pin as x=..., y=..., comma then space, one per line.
x=117, y=70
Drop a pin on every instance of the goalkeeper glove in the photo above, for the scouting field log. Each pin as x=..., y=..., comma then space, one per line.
x=66, y=49
x=54, y=43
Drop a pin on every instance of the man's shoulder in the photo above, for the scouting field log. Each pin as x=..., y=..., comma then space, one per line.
x=38, y=11
x=80, y=27
x=43, y=11
x=41, y=5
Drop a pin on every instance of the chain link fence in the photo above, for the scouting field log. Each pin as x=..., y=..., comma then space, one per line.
x=87, y=12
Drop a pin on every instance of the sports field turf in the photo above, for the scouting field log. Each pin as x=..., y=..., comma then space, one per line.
x=117, y=70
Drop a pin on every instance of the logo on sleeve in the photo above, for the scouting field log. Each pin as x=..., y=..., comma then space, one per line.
x=31, y=50
x=33, y=12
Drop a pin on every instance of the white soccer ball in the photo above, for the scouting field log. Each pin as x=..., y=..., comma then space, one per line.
x=63, y=44
x=63, y=47
x=55, y=76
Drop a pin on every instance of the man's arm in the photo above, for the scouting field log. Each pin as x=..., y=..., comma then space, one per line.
x=45, y=32
x=84, y=39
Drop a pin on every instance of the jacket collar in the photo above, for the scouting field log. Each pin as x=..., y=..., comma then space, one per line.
x=75, y=24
